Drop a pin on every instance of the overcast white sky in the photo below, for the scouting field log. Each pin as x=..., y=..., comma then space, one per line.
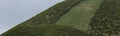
x=13, y=12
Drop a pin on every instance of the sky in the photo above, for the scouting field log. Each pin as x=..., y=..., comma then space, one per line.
x=13, y=12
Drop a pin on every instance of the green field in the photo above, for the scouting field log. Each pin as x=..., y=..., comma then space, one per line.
x=79, y=17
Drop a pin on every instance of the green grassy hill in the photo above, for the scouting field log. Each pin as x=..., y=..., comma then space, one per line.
x=49, y=16
x=73, y=18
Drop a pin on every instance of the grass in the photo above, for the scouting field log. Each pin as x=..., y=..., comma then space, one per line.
x=106, y=21
x=33, y=26
x=79, y=17
x=73, y=18
x=45, y=30
x=52, y=14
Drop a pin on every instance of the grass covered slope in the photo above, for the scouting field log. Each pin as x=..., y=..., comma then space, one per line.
x=79, y=17
x=45, y=30
x=73, y=18
x=106, y=21
x=52, y=14
x=33, y=26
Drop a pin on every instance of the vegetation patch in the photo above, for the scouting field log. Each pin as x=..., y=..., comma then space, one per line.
x=106, y=21
x=49, y=16
x=79, y=17
x=45, y=30
x=52, y=14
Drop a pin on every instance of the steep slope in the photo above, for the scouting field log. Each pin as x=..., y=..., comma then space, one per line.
x=35, y=26
x=73, y=18
x=52, y=14
x=79, y=17
x=106, y=21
